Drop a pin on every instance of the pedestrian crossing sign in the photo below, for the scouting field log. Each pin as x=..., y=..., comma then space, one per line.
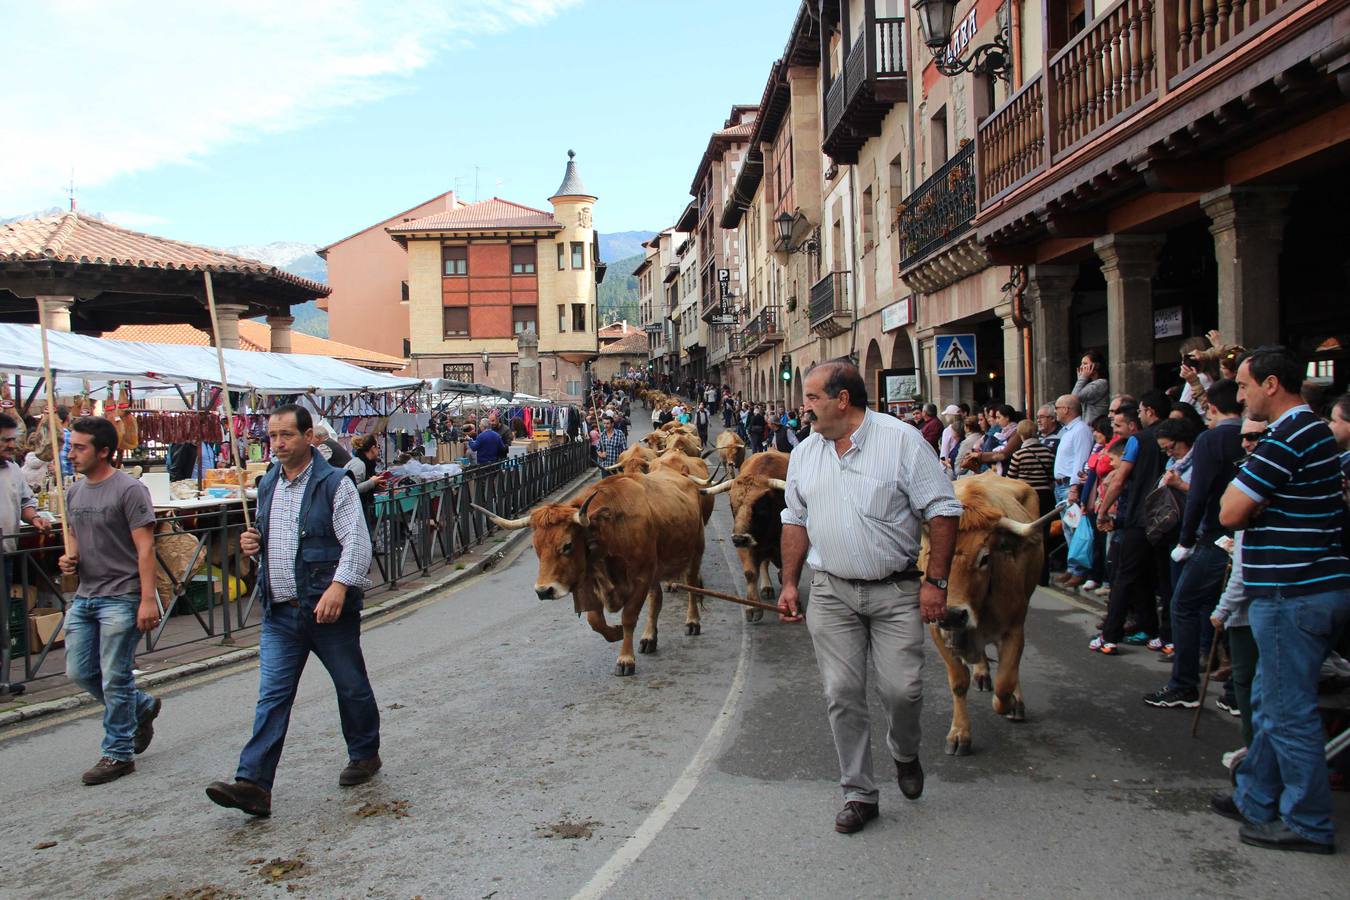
x=955, y=354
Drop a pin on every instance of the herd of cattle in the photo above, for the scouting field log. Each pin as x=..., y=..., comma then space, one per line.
x=615, y=543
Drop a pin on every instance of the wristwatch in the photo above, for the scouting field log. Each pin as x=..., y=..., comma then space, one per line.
x=939, y=583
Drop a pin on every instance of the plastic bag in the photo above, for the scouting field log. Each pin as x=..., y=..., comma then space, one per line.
x=1080, y=545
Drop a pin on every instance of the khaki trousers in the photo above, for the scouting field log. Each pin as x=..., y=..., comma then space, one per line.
x=851, y=622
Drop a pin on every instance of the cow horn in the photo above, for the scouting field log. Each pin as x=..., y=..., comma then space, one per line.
x=499, y=521
x=614, y=468
x=717, y=489
x=701, y=482
x=709, y=452
x=580, y=516
x=777, y=484
x=1027, y=529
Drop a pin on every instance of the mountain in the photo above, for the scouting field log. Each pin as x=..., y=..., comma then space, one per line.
x=622, y=244
x=616, y=298
x=298, y=259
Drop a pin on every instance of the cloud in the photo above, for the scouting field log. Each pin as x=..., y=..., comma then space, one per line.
x=112, y=88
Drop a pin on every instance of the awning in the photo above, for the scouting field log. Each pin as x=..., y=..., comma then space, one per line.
x=81, y=356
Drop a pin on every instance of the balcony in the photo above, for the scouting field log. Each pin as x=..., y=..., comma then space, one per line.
x=763, y=331
x=940, y=210
x=1149, y=75
x=672, y=271
x=830, y=312
x=872, y=81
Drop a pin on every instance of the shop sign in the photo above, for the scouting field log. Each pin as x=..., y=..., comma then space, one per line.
x=1167, y=322
x=724, y=320
x=898, y=314
x=962, y=35
x=955, y=354
x=653, y=328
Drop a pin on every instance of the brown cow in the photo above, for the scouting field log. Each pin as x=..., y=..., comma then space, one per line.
x=757, y=499
x=656, y=440
x=994, y=572
x=693, y=471
x=611, y=546
x=687, y=444
x=732, y=450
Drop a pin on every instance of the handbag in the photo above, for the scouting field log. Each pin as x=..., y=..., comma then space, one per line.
x=1081, y=545
x=1161, y=513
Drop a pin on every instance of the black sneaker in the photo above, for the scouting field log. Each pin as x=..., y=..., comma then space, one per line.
x=1185, y=698
x=1229, y=705
x=145, y=728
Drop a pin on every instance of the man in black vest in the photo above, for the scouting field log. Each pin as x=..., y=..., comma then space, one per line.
x=315, y=555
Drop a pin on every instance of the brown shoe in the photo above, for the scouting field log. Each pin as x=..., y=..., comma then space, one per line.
x=108, y=769
x=854, y=816
x=241, y=794
x=1073, y=581
x=909, y=775
x=145, y=728
x=359, y=771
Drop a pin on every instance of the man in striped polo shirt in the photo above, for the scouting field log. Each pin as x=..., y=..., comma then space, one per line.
x=1288, y=498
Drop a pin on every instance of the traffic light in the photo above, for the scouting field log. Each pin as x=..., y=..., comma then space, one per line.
x=786, y=368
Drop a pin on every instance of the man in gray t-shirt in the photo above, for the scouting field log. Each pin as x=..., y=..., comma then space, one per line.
x=112, y=548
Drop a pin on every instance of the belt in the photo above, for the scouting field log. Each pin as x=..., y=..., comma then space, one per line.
x=290, y=601
x=906, y=575
x=1062, y=480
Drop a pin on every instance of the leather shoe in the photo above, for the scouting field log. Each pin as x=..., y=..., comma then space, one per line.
x=910, y=776
x=854, y=816
x=241, y=794
x=1224, y=805
x=1277, y=836
x=359, y=771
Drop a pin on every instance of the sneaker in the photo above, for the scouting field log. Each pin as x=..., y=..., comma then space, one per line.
x=1155, y=645
x=1095, y=644
x=1172, y=698
x=1228, y=705
x=1139, y=637
x=108, y=769
x=1090, y=585
x=1108, y=649
x=145, y=727
x=1168, y=651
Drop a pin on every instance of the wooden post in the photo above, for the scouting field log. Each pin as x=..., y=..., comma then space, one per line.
x=53, y=432
x=225, y=397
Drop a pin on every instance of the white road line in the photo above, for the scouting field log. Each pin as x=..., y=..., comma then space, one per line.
x=609, y=874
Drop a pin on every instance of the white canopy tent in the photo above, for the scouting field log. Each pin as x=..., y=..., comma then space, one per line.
x=96, y=359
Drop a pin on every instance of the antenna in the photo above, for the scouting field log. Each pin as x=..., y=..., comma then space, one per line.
x=70, y=191
x=459, y=194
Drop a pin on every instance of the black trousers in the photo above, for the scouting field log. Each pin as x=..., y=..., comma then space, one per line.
x=1133, y=586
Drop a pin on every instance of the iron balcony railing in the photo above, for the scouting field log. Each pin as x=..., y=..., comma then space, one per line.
x=830, y=310
x=763, y=329
x=940, y=209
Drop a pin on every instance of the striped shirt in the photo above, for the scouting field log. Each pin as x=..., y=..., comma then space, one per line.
x=1034, y=463
x=283, y=534
x=863, y=511
x=1293, y=546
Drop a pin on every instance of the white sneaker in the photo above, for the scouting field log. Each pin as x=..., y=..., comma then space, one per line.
x=1103, y=590
x=1090, y=585
x=1228, y=757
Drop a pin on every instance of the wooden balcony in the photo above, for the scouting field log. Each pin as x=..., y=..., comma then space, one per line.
x=830, y=312
x=1151, y=76
x=762, y=331
x=940, y=209
x=871, y=82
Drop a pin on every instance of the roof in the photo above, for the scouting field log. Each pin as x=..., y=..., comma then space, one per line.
x=634, y=344
x=486, y=215
x=71, y=237
x=617, y=330
x=257, y=337
x=571, y=184
x=454, y=204
x=722, y=139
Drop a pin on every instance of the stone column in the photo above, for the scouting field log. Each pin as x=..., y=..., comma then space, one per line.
x=1248, y=228
x=527, y=380
x=227, y=318
x=1048, y=298
x=1128, y=264
x=281, y=332
x=56, y=311
x=1013, y=364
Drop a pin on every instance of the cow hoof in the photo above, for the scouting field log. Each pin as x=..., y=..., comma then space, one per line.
x=768, y=594
x=1018, y=713
x=983, y=682
x=647, y=645
x=754, y=615
x=623, y=668
x=957, y=747
x=693, y=628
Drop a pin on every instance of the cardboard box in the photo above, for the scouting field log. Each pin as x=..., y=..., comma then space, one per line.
x=43, y=622
x=17, y=594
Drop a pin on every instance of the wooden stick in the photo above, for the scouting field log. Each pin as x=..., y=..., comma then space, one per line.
x=225, y=399
x=53, y=432
x=1204, y=687
x=730, y=598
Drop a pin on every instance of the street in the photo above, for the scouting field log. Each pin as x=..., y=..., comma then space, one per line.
x=516, y=765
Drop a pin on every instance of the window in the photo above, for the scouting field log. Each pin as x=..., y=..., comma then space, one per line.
x=456, y=260
x=578, y=317
x=562, y=256
x=455, y=320
x=524, y=318
x=457, y=371
x=578, y=255
x=937, y=138
x=868, y=220
x=562, y=317
x=405, y=296
x=407, y=347
x=574, y=388
x=515, y=376
x=522, y=259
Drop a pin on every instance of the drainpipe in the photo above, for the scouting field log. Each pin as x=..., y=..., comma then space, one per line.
x=1017, y=281
x=1015, y=43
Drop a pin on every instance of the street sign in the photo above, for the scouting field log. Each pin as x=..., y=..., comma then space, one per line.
x=723, y=275
x=955, y=354
x=1167, y=322
x=723, y=320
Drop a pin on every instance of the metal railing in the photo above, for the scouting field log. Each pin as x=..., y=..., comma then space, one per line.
x=829, y=298
x=940, y=209
x=763, y=329
x=212, y=586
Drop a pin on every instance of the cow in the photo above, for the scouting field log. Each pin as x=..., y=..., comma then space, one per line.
x=611, y=546
x=656, y=440
x=686, y=466
x=757, y=500
x=634, y=452
x=685, y=443
x=994, y=571
x=731, y=449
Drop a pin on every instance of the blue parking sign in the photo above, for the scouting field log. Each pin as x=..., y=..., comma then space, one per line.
x=955, y=354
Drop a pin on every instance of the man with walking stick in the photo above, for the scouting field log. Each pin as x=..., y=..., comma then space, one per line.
x=858, y=492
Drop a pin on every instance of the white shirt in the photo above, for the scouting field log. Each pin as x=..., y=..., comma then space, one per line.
x=1075, y=445
x=948, y=441
x=863, y=511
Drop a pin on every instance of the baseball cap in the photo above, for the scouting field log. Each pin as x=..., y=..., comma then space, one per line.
x=952, y=410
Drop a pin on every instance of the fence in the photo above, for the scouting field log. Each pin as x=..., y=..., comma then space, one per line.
x=209, y=588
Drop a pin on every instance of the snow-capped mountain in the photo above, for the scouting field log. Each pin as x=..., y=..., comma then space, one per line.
x=294, y=256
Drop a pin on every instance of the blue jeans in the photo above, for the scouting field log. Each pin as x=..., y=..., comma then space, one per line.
x=101, y=641
x=1285, y=772
x=1198, y=585
x=1061, y=493
x=289, y=635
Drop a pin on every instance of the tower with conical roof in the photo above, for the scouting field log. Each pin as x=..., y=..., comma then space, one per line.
x=571, y=282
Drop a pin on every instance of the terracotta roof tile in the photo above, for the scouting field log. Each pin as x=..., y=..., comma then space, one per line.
x=617, y=330
x=71, y=237
x=633, y=345
x=257, y=337
x=487, y=214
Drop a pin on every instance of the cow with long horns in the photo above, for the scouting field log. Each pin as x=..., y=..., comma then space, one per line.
x=611, y=546
x=994, y=571
x=757, y=500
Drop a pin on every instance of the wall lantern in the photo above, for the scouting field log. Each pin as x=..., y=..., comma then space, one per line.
x=486, y=359
x=783, y=222
x=936, y=19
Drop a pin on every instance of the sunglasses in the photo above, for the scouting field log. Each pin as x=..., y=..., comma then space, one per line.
x=1254, y=436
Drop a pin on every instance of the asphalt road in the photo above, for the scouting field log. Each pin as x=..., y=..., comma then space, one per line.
x=516, y=765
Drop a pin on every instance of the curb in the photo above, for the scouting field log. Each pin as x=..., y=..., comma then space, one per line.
x=369, y=613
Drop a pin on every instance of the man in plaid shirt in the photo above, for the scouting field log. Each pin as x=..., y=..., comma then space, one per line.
x=612, y=442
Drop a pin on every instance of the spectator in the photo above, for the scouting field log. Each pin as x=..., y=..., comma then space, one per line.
x=1092, y=389
x=1075, y=445
x=701, y=422
x=1190, y=414
x=930, y=425
x=1202, y=564
x=612, y=442
x=336, y=455
x=1100, y=462
x=1034, y=463
x=781, y=438
x=968, y=445
x=1009, y=440
x=1047, y=427
x=949, y=439
x=488, y=446
x=18, y=504
x=728, y=410
x=755, y=427
x=1298, y=581
x=67, y=467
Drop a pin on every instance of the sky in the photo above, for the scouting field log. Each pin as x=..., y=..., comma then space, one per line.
x=229, y=123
